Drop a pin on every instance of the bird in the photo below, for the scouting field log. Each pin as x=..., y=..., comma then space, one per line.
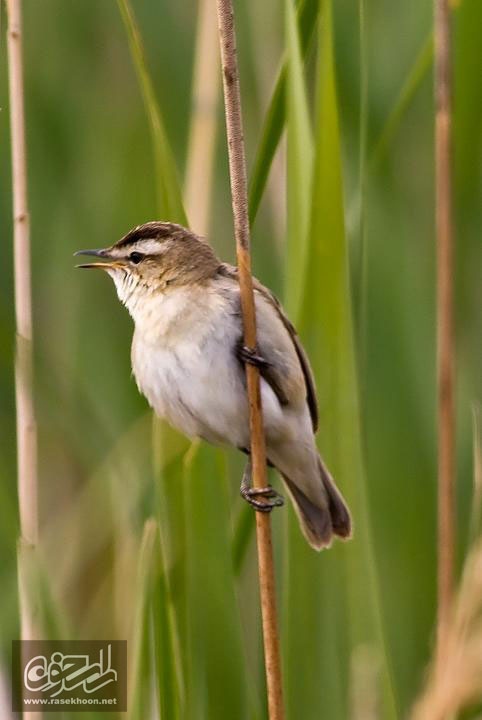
x=188, y=360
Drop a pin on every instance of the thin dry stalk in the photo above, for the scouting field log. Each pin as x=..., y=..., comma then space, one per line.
x=237, y=171
x=26, y=428
x=475, y=521
x=202, y=135
x=445, y=332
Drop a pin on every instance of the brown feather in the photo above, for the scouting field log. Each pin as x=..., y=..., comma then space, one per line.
x=230, y=271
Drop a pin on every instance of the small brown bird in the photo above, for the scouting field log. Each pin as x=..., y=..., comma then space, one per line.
x=188, y=360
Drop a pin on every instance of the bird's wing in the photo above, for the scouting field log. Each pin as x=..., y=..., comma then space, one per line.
x=277, y=346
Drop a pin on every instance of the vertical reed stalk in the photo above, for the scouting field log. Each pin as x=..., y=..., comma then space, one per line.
x=26, y=431
x=26, y=428
x=445, y=331
x=202, y=135
x=237, y=171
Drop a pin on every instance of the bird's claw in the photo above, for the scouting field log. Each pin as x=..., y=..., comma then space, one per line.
x=250, y=356
x=272, y=498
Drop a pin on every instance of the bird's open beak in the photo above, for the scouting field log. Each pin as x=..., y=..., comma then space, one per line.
x=101, y=253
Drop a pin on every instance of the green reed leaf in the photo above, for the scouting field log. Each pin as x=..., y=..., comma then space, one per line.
x=336, y=590
x=141, y=675
x=169, y=189
x=217, y=685
x=409, y=87
x=307, y=13
x=299, y=164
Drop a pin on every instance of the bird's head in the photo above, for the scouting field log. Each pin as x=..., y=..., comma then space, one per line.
x=154, y=258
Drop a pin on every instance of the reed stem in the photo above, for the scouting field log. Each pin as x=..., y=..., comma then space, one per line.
x=237, y=171
x=445, y=330
x=26, y=429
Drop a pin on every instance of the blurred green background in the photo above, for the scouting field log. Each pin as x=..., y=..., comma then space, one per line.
x=350, y=248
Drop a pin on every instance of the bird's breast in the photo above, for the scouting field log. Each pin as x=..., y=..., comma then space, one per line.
x=190, y=375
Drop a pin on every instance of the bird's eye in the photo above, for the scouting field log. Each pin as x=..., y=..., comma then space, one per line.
x=135, y=257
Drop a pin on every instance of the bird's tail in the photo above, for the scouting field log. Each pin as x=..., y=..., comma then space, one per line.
x=319, y=522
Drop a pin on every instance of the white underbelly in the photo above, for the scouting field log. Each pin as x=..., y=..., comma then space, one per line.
x=199, y=389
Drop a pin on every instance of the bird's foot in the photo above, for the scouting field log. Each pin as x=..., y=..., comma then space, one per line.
x=252, y=357
x=271, y=498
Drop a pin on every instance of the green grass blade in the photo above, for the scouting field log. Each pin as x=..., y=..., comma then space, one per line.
x=299, y=163
x=169, y=448
x=154, y=661
x=154, y=657
x=217, y=686
x=412, y=82
x=337, y=591
x=169, y=189
x=140, y=676
x=306, y=15
x=370, y=158
x=166, y=649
